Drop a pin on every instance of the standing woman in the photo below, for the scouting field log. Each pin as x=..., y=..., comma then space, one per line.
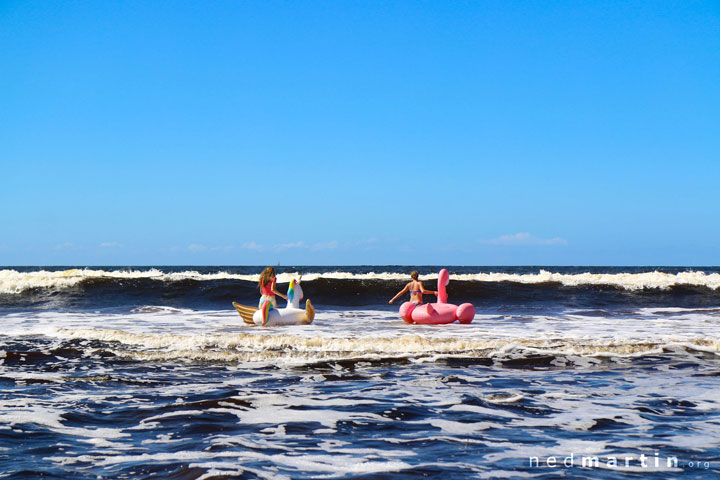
x=268, y=290
x=416, y=290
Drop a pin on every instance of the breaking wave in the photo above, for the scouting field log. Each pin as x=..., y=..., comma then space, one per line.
x=15, y=282
x=289, y=349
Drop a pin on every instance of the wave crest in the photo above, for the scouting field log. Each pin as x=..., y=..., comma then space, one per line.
x=14, y=282
x=292, y=349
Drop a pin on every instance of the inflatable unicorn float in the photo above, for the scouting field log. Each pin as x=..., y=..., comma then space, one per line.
x=292, y=314
x=440, y=312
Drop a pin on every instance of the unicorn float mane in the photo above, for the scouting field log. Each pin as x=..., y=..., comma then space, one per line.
x=294, y=293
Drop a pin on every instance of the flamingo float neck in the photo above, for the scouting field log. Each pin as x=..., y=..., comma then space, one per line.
x=443, y=280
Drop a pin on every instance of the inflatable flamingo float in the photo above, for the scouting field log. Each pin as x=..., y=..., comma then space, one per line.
x=440, y=312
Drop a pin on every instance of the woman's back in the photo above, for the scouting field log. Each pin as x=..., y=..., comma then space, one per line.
x=416, y=289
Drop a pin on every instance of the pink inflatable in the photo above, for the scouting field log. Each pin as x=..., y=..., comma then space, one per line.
x=437, y=313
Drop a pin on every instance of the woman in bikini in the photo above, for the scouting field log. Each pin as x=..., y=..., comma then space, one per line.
x=416, y=289
x=268, y=290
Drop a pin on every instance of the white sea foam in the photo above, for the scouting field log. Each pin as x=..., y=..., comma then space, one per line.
x=627, y=281
x=12, y=281
x=367, y=335
x=476, y=413
x=330, y=464
x=18, y=412
x=459, y=428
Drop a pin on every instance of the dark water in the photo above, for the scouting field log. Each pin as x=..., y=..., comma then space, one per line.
x=146, y=373
x=199, y=287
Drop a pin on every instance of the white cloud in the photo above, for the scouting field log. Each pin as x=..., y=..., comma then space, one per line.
x=522, y=238
x=253, y=246
x=225, y=248
x=197, y=247
x=65, y=245
x=259, y=247
x=318, y=246
x=284, y=246
x=332, y=245
x=365, y=243
x=111, y=245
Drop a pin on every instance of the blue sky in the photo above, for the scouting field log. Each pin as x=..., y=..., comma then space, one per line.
x=465, y=133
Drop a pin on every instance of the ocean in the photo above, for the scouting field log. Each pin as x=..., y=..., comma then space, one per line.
x=565, y=372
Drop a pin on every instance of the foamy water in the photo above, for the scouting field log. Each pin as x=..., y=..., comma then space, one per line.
x=112, y=386
x=170, y=333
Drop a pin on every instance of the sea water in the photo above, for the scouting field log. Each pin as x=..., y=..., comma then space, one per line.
x=148, y=372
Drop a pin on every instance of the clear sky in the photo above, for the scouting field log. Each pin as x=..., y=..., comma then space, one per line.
x=367, y=132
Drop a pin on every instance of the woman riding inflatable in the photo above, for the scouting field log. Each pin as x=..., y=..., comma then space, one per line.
x=440, y=312
x=416, y=290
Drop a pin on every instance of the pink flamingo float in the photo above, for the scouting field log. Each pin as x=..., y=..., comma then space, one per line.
x=440, y=312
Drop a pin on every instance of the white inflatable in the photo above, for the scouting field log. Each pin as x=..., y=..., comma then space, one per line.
x=292, y=314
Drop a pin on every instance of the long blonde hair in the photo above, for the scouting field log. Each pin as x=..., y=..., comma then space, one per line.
x=266, y=276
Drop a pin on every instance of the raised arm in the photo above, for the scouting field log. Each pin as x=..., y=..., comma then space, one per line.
x=407, y=287
x=422, y=289
x=276, y=292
